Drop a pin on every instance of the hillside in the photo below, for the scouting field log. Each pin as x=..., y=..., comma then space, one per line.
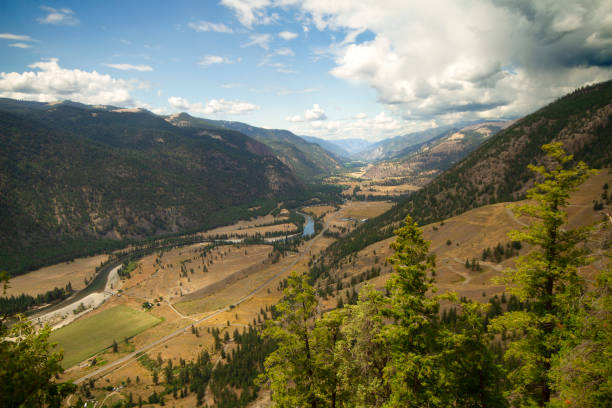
x=497, y=171
x=397, y=146
x=421, y=163
x=76, y=179
x=307, y=160
x=330, y=146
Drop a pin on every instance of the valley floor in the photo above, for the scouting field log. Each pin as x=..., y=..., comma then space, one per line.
x=194, y=289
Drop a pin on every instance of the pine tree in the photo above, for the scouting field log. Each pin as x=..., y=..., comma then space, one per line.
x=546, y=277
x=582, y=374
x=29, y=366
x=363, y=350
x=413, y=374
x=290, y=369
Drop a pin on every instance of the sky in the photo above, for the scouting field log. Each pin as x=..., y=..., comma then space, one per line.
x=334, y=69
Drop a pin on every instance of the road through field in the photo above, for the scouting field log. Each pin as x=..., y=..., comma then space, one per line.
x=117, y=363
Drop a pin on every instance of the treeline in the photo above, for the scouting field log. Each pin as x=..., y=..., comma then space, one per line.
x=547, y=345
x=235, y=371
x=495, y=172
x=500, y=252
x=19, y=304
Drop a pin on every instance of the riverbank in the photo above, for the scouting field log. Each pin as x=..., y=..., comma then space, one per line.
x=67, y=314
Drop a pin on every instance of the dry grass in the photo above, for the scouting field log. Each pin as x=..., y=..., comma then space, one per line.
x=45, y=279
x=319, y=210
x=241, y=225
x=469, y=234
x=365, y=209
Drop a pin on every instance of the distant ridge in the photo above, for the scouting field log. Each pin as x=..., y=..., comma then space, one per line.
x=75, y=179
x=497, y=170
x=308, y=160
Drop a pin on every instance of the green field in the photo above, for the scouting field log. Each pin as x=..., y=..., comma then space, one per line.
x=84, y=338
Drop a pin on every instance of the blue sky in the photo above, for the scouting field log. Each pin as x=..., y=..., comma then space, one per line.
x=333, y=69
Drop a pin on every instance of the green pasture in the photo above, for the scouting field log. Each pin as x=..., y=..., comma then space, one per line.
x=86, y=337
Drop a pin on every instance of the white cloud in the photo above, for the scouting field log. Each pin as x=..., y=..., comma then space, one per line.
x=284, y=91
x=213, y=59
x=15, y=37
x=282, y=68
x=63, y=16
x=208, y=26
x=261, y=40
x=231, y=85
x=381, y=126
x=50, y=82
x=316, y=113
x=212, y=107
x=287, y=35
x=285, y=51
x=130, y=67
x=250, y=12
x=449, y=62
x=20, y=45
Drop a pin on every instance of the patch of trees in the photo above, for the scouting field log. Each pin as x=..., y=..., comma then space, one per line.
x=500, y=252
x=125, y=272
x=395, y=349
x=231, y=380
x=483, y=178
x=19, y=304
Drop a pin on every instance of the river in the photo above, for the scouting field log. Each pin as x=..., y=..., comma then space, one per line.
x=308, y=226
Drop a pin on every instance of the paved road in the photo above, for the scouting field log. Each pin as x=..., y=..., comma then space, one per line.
x=115, y=364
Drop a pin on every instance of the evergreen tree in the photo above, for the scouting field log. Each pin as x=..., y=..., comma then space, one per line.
x=28, y=368
x=327, y=362
x=291, y=368
x=363, y=350
x=546, y=277
x=413, y=374
x=582, y=374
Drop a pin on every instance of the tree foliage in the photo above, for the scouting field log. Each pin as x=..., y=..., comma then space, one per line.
x=29, y=368
x=547, y=277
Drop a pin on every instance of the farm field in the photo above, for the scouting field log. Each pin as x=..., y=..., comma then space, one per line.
x=47, y=278
x=366, y=209
x=360, y=184
x=90, y=335
x=318, y=210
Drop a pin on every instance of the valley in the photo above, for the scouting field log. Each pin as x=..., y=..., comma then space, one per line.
x=185, y=290
x=196, y=288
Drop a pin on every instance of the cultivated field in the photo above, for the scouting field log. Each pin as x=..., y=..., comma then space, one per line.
x=359, y=183
x=366, y=209
x=318, y=210
x=90, y=335
x=47, y=278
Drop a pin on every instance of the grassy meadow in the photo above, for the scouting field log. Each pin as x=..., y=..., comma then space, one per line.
x=86, y=337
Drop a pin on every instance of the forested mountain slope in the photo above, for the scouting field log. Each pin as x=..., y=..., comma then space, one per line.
x=399, y=146
x=421, y=163
x=497, y=171
x=307, y=160
x=74, y=179
x=331, y=146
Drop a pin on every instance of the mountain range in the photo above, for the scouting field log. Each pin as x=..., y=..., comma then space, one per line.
x=308, y=160
x=420, y=163
x=76, y=178
x=497, y=171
